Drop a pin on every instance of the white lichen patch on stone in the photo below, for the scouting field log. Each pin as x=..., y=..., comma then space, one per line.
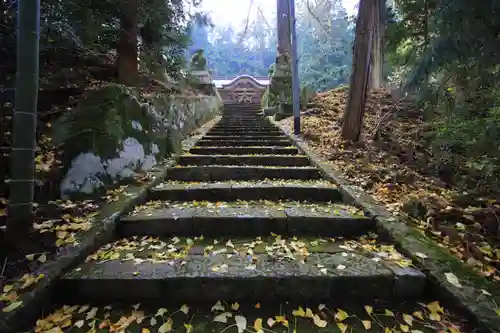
x=87, y=169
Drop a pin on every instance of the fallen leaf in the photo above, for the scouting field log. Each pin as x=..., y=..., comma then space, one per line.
x=342, y=327
x=341, y=315
x=222, y=318
x=184, y=309
x=369, y=309
x=167, y=326
x=189, y=328
x=319, y=322
x=235, y=306
x=452, y=279
x=218, y=307
x=421, y=255
x=271, y=322
x=257, y=325
x=12, y=306
x=241, y=323
x=161, y=312
x=408, y=319
x=367, y=324
x=42, y=258
x=79, y=323
x=389, y=313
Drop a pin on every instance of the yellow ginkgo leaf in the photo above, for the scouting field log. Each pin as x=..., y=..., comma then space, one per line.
x=271, y=322
x=319, y=322
x=184, y=309
x=435, y=307
x=404, y=328
x=161, y=312
x=235, y=306
x=369, y=309
x=367, y=324
x=257, y=325
x=299, y=312
x=167, y=326
x=309, y=313
x=408, y=319
x=281, y=320
x=189, y=328
x=387, y=330
x=145, y=330
x=341, y=315
x=342, y=327
x=419, y=315
x=389, y=313
x=12, y=306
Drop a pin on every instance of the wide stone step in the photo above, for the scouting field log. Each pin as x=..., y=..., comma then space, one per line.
x=245, y=137
x=219, y=173
x=243, y=143
x=244, y=150
x=244, y=219
x=244, y=129
x=255, y=135
x=271, y=160
x=233, y=191
x=200, y=278
x=243, y=132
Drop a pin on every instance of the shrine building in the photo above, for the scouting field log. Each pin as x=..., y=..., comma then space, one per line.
x=241, y=89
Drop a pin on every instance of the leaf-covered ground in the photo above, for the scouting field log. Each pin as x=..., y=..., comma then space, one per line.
x=393, y=164
x=233, y=317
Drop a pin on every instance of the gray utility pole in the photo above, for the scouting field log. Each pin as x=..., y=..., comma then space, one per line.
x=295, y=71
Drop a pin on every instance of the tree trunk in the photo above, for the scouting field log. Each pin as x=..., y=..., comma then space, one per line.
x=377, y=66
x=353, y=115
x=20, y=212
x=127, y=65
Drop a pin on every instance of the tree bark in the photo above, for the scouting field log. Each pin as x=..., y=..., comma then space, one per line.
x=354, y=113
x=20, y=212
x=126, y=63
x=377, y=67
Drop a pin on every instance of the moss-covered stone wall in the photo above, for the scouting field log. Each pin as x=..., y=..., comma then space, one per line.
x=115, y=132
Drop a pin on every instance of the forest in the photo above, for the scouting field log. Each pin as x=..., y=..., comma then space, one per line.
x=115, y=151
x=324, y=32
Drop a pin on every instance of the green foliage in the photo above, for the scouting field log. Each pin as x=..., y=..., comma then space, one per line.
x=80, y=34
x=447, y=52
x=324, y=38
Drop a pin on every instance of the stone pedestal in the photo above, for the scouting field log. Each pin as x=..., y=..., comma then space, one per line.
x=280, y=86
x=204, y=81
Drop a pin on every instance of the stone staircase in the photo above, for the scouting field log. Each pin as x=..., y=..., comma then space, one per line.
x=243, y=217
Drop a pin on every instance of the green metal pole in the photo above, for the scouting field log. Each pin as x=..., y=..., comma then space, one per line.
x=25, y=118
x=295, y=71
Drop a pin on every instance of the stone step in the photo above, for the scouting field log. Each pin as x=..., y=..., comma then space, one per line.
x=220, y=173
x=243, y=143
x=233, y=132
x=244, y=123
x=274, y=160
x=233, y=191
x=200, y=278
x=243, y=150
x=244, y=219
x=244, y=129
x=255, y=135
x=245, y=137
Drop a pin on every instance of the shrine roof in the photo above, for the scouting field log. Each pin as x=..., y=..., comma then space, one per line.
x=223, y=81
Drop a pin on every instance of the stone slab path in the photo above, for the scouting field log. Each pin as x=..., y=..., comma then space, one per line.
x=244, y=217
x=243, y=179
